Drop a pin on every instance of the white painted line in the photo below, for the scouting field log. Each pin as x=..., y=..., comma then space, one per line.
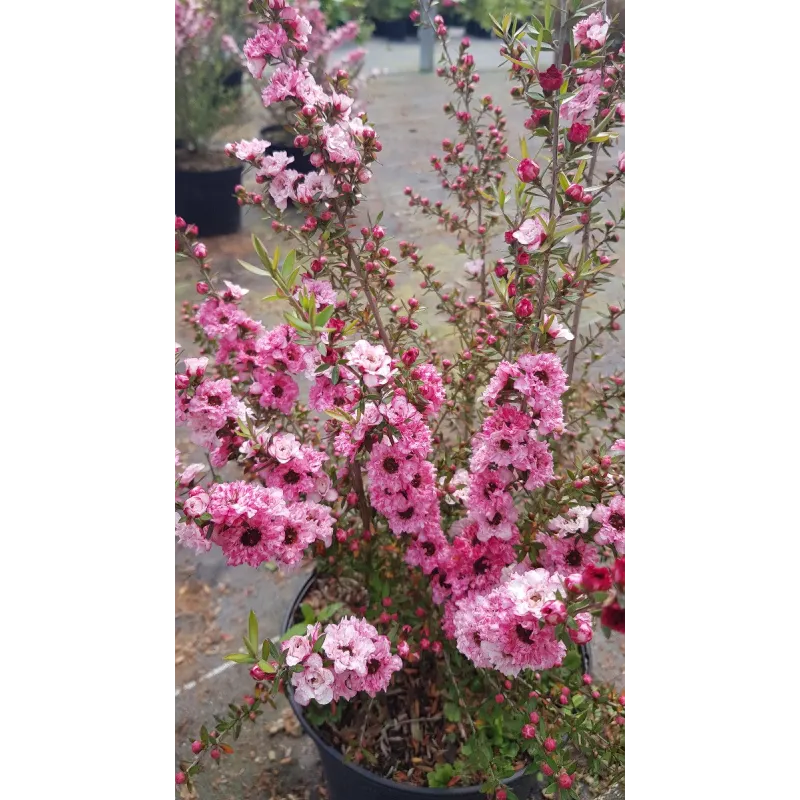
x=216, y=671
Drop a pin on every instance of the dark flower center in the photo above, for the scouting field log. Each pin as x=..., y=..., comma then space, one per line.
x=505, y=444
x=290, y=536
x=251, y=537
x=542, y=376
x=476, y=637
x=407, y=514
x=428, y=548
x=277, y=391
x=481, y=565
x=291, y=477
x=496, y=519
x=213, y=400
x=373, y=665
x=524, y=634
x=617, y=521
x=390, y=465
x=224, y=320
x=573, y=558
x=416, y=481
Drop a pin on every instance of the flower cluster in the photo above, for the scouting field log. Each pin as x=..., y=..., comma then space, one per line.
x=357, y=659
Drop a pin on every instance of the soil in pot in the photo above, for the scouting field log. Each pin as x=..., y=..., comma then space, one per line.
x=204, y=184
x=405, y=731
x=278, y=140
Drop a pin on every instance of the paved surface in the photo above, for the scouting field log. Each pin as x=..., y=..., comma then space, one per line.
x=212, y=601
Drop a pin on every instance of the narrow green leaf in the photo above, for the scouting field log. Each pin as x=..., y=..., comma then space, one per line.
x=288, y=264
x=240, y=658
x=252, y=628
x=251, y=268
x=262, y=252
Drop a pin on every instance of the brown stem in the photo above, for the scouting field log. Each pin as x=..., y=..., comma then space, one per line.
x=355, y=263
x=554, y=176
x=363, y=505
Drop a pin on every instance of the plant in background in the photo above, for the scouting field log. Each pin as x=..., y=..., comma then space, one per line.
x=321, y=42
x=462, y=495
x=389, y=10
x=202, y=101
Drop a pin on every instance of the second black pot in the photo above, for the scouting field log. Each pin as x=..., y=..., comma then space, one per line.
x=206, y=199
x=302, y=162
x=392, y=29
x=348, y=781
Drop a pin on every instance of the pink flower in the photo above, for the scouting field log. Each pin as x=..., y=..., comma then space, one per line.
x=190, y=473
x=618, y=446
x=582, y=107
x=249, y=151
x=316, y=183
x=275, y=163
x=283, y=447
x=557, y=330
x=473, y=267
x=430, y=387
x=565, y=556
x=268, y=41
x=189, y=535
x=612, y=521
x=349, y=644
x=281, y=189
x=591, y=31
x=196, y=367
x=324, y=294
x=297, y=649
x=621, y=162
x=313, y=683
x=197, y=502
x=531, y=233
x=372, y=361
x=339, y=145
x=276, y=390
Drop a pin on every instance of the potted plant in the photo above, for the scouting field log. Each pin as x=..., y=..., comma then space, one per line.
x=462, y=495
x=205, y=179
x=478, y=13
x=390, y=18
x=317, y=62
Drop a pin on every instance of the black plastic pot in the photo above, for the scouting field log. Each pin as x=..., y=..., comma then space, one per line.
x=477, y=30
x=411, y=29
x=394, y=30
x=206, y=199
x=233, y=80
x=302, y=162
x=348, y=781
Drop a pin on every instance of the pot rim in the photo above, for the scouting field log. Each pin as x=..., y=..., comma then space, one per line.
x=425, y=791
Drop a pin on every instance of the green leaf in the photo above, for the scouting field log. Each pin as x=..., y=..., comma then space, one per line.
x=288, y=264
x=329, y=611
x=252, y=630
x=452, y=711
x=295, y=630
x=251, y=268
x=324, y=316
x=523, y=146
x=240, y=658
x=262, y=253
x=266, y=666
x=265, y=649
x=308, y=612
x=318, y=644
x=562, y=179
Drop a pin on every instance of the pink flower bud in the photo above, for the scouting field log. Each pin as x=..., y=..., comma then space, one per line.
x=202, y=287
x=528, y=732
x=199, y=250
x=554, y=612
x=527, y=171
x=524, y=308
x=549, y=744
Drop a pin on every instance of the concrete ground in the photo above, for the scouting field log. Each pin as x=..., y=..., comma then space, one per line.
x=212, y=601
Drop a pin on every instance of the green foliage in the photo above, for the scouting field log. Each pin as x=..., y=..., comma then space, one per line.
x=386, y=10
x=482, y=11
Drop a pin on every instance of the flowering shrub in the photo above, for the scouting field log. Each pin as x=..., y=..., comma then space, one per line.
x=320, y=41
x=202, y=102
x=464, y=497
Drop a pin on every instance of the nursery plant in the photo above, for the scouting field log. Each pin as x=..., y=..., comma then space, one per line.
x=462, y=496
x=322, y=40
x=204, y=101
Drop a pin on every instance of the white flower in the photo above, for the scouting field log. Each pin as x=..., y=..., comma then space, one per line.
x=284, y=447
